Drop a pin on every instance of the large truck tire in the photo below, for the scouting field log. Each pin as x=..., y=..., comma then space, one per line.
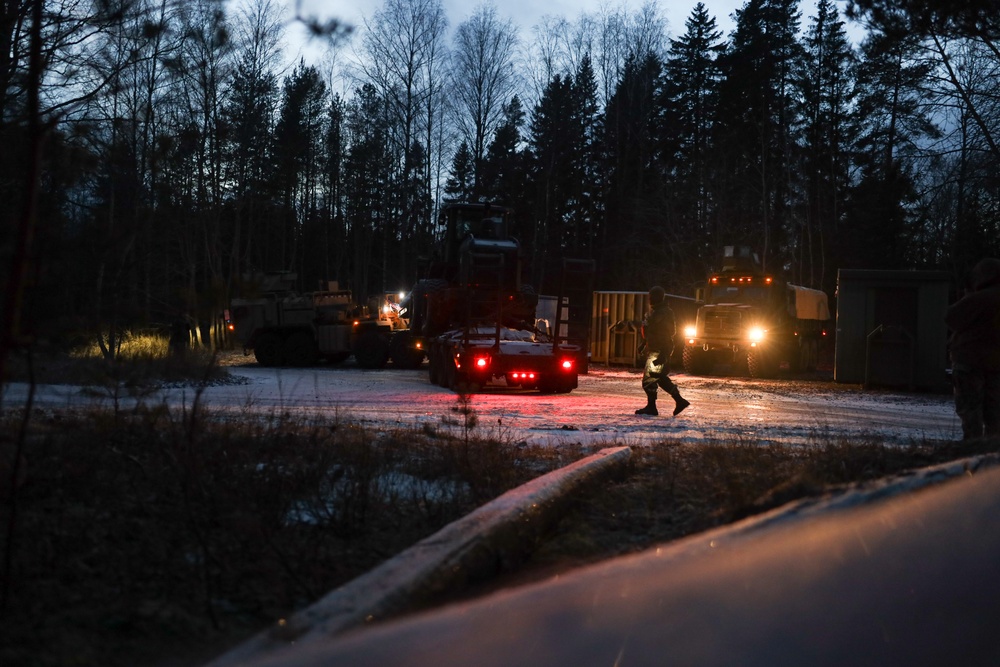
x=267, y=349
x=696, y=361
x=403, y=353
x=805, y=356
x=420, y=298
x=300, y=349
x=762, y=364
x=371, y=350
x=434, y=364
x=556, y=386
x=812, y=355
x=462, y=384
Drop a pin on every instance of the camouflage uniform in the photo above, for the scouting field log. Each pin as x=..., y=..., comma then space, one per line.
x=658, y=331
x=975, y=352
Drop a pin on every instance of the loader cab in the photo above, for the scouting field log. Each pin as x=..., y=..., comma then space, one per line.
x=481, y=221
x=478, y=250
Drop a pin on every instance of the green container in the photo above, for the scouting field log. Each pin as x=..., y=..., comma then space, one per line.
x=891, y=330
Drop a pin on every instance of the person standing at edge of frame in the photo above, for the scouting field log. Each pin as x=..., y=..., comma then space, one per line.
x=975, y=352
x=658, y=331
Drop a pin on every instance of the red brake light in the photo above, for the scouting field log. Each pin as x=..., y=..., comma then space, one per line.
x=482, y=362
x=566, y=364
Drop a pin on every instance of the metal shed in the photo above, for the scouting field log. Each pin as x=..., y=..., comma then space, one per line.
x=891, y=330
x=616, y=321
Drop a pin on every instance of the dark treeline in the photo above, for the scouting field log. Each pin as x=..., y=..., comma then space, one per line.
x=177, y=154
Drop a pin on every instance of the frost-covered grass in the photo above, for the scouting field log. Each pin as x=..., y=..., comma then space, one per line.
x=146, y=534
x=154, y=534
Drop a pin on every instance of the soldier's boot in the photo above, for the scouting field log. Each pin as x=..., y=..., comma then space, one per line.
x=679, y=402
x=650, y=408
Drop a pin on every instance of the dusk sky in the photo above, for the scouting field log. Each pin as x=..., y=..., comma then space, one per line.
x=526, y=13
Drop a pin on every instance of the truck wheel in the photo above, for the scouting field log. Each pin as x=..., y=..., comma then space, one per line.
x=461, y=384
x=420, y=310
x=695, y=361
x=804, y=358
x=559, y=386
x=267, y=350
x=300, y=350
x=337, y=357
x=812, y=355
x=761, y=364
x=402, y=352
x=448, y=370
x=371, y=350
x=434, y=365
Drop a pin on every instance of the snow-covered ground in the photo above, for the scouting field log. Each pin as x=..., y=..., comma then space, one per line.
x=599, y=411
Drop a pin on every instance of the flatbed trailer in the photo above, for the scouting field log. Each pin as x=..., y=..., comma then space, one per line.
x=467, y=361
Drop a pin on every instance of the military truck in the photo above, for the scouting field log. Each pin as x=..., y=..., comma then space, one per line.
x=476, y=318
x=285, y=328
x=754, y=321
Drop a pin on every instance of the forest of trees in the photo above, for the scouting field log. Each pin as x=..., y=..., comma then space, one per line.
x=154, y=154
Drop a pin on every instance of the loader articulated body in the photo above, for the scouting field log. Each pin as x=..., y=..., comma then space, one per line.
x=476, y=318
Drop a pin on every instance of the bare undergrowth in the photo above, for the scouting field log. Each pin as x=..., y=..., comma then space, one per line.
x=151, y=534
x=157, y=537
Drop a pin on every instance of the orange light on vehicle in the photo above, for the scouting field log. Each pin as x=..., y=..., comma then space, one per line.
x=768, y=279
x=715, y=280
x=232, y=327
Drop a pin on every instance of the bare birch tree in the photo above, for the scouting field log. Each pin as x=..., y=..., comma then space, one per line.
x=402, y=49
x=484, y=79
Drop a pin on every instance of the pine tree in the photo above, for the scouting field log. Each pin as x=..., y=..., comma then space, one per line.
x=826, y=88
x=563, y=140
x=634, y=225
x=298, y=159
x=505, y=171
x=689, y=106
x=755, y=129
x=461, y=176
x=368, y=172
x=891, y=110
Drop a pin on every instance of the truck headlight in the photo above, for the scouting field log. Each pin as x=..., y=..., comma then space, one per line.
x=756, y=334
x=690, y=331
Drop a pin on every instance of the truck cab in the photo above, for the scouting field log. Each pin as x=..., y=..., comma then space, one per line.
x=753, y=320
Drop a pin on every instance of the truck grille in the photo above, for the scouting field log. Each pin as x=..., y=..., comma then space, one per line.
x=723, y=323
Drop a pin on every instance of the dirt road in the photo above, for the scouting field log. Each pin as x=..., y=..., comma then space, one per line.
x=600, y=410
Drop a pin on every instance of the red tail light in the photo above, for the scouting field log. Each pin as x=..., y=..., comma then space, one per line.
x=481, y=363
x=566, y=364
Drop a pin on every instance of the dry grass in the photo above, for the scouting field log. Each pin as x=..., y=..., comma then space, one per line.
x=156, y=537
x=140, y=360
x=153, y=534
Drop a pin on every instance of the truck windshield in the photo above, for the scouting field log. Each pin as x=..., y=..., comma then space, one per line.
x=740, y=294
